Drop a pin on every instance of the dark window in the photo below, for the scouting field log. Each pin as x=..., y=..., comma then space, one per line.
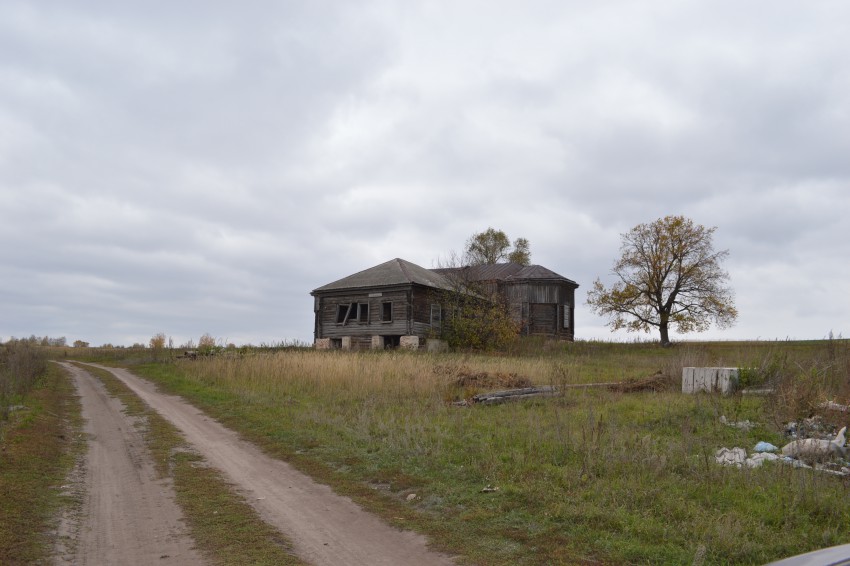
x=343, y=313
x=387, y=312
x=363, y=312
x=436, y=316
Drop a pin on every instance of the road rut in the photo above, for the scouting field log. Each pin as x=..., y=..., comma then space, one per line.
x=325, y=528
x=129, y=515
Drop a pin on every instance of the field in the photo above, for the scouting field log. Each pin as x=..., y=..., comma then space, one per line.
x=588, y=476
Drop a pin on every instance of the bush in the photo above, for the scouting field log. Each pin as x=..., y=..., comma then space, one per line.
x=21, y=364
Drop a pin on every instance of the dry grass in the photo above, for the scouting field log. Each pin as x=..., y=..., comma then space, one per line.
x=603, y=475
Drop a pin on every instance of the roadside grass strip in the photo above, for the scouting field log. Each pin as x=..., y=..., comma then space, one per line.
x=224, y=526
x=38, y=447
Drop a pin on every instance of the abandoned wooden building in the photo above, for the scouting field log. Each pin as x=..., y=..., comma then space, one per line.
x=400, y=304
x=539, y=300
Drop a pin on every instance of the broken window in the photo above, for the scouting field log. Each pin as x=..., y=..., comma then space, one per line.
x=566, y=316
x=386, y=312
x=342, y=313
x=358, y=312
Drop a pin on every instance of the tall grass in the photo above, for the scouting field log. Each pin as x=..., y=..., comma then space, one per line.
x=590, y=474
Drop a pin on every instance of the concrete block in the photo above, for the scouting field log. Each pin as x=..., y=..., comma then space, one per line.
x=409, y=342
x=723, y=380
x=346, y=342
x=377, y=342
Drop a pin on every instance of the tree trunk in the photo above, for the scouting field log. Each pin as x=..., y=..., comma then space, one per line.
x=665, y=335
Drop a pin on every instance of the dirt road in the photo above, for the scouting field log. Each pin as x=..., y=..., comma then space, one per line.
x=325, y=528
x=128, y=515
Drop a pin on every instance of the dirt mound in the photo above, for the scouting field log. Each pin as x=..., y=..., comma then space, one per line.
x=657, y=382
x=464, y=377
x=484, y=380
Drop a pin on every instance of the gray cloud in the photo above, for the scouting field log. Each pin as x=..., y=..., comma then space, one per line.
x=201, y=167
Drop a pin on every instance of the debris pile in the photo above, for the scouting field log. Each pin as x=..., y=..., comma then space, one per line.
x=486, y=380
x=823, y=454
x=817, y=449
x=656, y=382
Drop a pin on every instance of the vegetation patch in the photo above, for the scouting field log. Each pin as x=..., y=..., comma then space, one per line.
x=39, y=442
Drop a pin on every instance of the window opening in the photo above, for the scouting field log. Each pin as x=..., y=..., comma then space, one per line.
x=363, y=312
x=344, y=312
x=436, y=316
x=386, y=312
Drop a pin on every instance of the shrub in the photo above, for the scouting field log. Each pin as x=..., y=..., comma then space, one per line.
x=21, y=364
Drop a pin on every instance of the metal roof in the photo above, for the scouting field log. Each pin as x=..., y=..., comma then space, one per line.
x=394, y=272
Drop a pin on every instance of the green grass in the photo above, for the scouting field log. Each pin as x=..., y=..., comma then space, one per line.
x=224, y=526
x=38, y=447
x=591, y=475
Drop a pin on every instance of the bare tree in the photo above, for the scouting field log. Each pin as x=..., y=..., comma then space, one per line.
x=669, y=275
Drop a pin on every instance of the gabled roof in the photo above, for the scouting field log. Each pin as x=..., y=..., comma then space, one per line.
x=394, y=272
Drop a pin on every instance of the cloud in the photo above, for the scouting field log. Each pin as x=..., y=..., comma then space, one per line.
x=201, y=167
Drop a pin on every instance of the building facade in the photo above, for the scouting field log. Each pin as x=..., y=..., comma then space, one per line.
x=400, y=304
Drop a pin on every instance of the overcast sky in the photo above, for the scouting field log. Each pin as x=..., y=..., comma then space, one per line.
x=200, y=167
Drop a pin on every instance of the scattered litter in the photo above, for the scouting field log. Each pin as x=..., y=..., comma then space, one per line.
x=489, y=489
x=757, y=460
x=811, y=427
x=496, y=397
x=765, y=447
x=743, y=425
x=738, y=457
x=730, y=456
x=411, y=496
x=833, y=406
x=816, y=449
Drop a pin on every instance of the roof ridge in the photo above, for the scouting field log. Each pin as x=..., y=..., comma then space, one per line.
x=403, y=267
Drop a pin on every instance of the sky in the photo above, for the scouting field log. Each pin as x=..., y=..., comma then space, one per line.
x=200, y=167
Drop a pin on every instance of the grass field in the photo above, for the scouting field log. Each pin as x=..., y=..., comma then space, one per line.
x=589, y=476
